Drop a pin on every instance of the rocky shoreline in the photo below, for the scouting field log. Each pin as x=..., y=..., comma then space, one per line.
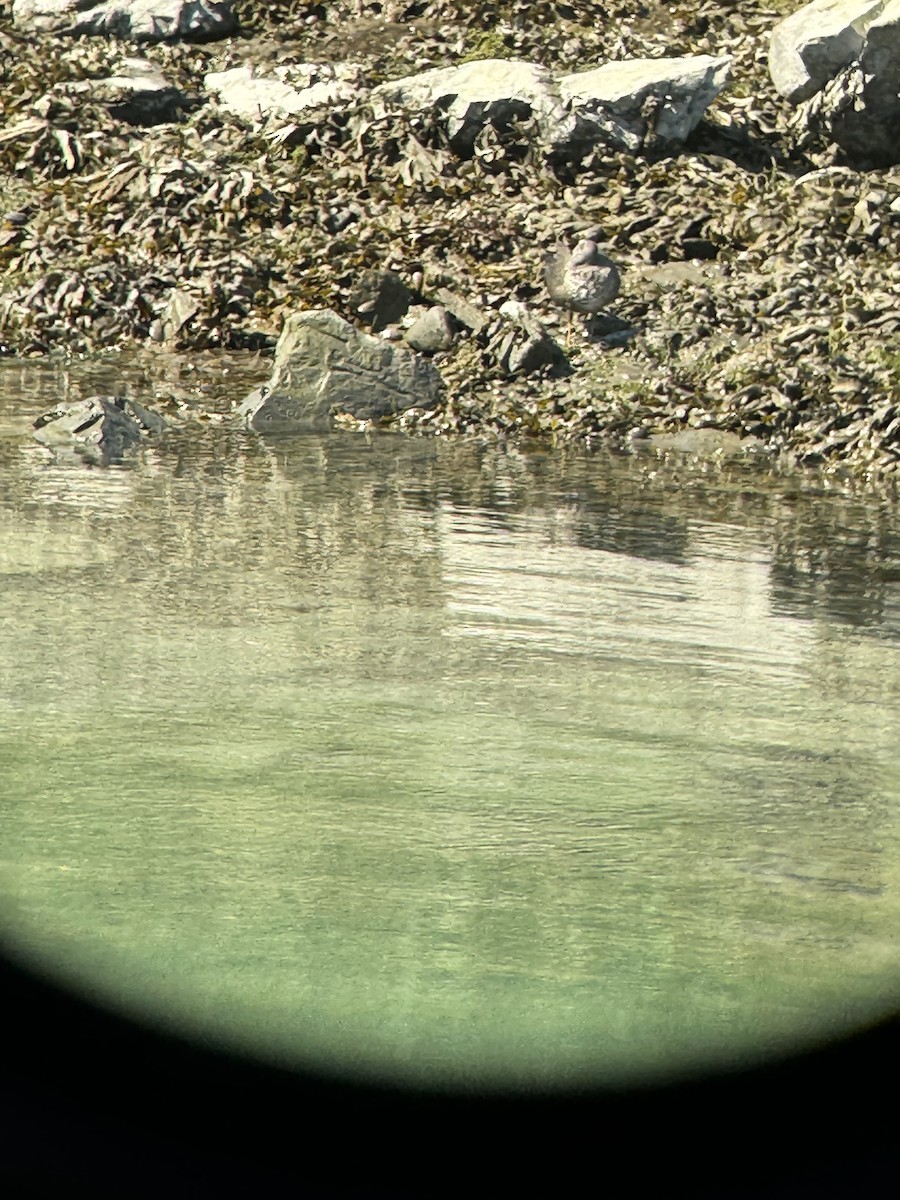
x=759, y=259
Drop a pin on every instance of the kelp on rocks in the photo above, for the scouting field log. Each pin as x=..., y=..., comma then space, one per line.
x=759, y=270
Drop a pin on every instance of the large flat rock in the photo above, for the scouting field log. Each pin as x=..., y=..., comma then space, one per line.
x=324, y=366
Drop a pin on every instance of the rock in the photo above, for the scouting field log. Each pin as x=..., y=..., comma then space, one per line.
x=474, y=94
x=612, y=331
x=799, y=333
x=703, y=443
x=100, y=429
x=841, y=61
x=431, y=332
x=135, y=20
x=324, y=366
x=139, y=95
x=619, y=104
x=518, y=356
x=286, y=92
x=460, y=308
x=676, y=274
x=336, y=220
x=623, y=104
x=869, y=131
x=535, y=352
x=817, y=42
x=181, y=308
x=380, y=298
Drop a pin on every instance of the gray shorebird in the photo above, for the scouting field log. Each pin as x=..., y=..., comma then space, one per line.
x=584, y=281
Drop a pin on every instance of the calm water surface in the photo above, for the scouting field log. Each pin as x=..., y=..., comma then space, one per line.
x=440, y=761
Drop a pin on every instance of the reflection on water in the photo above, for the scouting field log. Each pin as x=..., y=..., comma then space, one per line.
x=447, y=761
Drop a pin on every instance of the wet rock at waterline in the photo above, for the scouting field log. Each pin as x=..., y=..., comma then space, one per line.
x=324, y=368
x=99, y=429
x=841, y=59
x=137, y=20
x=702, y=444
x=179, y=312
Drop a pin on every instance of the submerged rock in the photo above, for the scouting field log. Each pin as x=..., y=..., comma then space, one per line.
x=137, y=20
x=100, y=429
x=702, y=443
x=325, y=367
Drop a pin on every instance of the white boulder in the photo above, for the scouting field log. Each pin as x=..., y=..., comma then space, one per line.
x=288, y=91
x=473, y=94
x=136, y=20
x=840, y=62
x=815, y=43
x=619, y=103
x=625, y=102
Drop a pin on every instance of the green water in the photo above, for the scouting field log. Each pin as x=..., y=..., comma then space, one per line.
x=444, y=762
